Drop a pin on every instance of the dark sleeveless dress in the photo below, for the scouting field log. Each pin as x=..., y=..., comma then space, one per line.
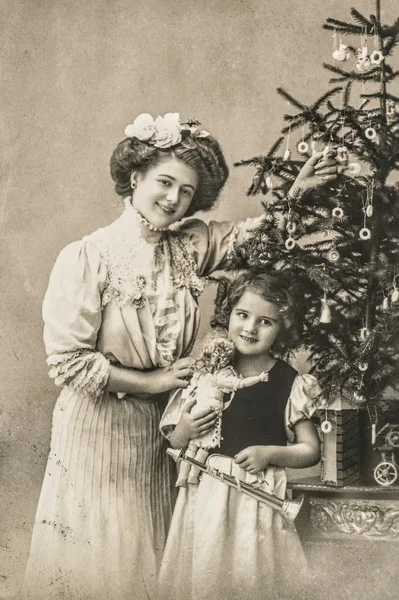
x=255, y=416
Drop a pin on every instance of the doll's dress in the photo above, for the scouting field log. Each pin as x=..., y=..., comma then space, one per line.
x=125, y=296
x=228, y=545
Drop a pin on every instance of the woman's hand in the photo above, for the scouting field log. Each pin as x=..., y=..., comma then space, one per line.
x=317, y=170
x=171, y=377
x=254, y=458
x=192, y=426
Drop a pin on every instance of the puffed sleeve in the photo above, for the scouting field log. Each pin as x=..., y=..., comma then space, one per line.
x=72, y=317
x=305, y=398
x=213, y=243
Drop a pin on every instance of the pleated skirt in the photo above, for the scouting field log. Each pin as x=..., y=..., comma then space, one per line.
x=225, y=545
x=106, y=502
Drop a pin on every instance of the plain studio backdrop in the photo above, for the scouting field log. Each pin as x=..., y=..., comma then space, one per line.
x=74, y=74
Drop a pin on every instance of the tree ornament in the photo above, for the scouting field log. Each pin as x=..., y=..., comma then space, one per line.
x=369, y=210
x=354, y=168
x=303, y=147
x=385, y=304
x=364, y=333
x=363, y=62
x=337, y=212
x=365, y=233
x=269, y=182
x=326, y=426
x=370, y=133
x=363, y=366
x=287, y=154
x=333, y=255
x=342, y=154
x=291, y=227
x=359, y=398
x=376, y=57
x=325, y=316
x=290, y=243
x=395, y=295
x=342, y=53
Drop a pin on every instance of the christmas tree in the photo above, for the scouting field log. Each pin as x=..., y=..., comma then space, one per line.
x=340, y=243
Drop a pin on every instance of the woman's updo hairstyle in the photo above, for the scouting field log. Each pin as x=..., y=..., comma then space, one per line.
x=203, y=154
x=275, y=287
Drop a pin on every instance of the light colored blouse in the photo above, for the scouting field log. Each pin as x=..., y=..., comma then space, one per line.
x=126, y=295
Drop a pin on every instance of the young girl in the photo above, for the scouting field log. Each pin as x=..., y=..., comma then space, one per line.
x=224, y=544
x=120, y=318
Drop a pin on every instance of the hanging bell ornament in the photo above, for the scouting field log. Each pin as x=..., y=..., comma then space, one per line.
x=269, y=182
x=395, y=295
x=303, y=147
x=326, y=426
x=364, y=333
x=369, y=210
x=287, y=154
x=370, y=133
x=354, y=168
x=325, y=316
x=385, y=304
x=291, y=227
x=376, y=57
x=365, y=233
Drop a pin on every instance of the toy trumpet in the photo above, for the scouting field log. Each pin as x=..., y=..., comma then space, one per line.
x=288, y=509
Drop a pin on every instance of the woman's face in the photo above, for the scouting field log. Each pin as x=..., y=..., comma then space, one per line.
x=164, y=192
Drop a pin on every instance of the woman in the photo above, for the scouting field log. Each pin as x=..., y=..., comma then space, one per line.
x=121, y=317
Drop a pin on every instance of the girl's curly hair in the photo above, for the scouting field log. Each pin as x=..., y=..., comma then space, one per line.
x=203, y=154
x=274, y=287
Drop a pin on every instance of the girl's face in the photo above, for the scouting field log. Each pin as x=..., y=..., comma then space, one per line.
x=163, y=193
x=254, y=324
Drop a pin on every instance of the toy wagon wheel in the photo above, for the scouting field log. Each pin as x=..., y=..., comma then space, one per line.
x=393, y=438
x=385, y=473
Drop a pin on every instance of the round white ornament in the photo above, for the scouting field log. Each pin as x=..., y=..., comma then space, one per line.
x=376, y=57
x=290, y=243
x=326, y=426
x=303, y=147
x=365, y=233
x=370, y=133
x=337, y=212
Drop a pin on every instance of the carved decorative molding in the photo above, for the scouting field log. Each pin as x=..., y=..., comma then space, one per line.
x=354, y=517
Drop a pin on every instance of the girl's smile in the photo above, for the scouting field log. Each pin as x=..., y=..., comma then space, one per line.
x=163, y=193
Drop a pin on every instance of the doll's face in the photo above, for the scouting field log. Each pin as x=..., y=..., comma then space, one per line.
x=254, y=325
x=164, y=192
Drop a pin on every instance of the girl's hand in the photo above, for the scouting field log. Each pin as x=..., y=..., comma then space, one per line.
x=168, y=378
x=254, y=458
x=193, y=426
x=317, y=170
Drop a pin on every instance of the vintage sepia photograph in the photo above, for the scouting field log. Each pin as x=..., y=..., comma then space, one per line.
x=199, y=282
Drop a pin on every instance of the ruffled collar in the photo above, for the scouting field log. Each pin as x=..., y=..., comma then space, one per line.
x=135, y=224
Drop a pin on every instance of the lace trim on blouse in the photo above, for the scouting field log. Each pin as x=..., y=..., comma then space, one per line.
x=85, y=371
x=146, y=265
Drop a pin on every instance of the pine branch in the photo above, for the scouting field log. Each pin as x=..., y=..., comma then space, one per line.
x=290, y=99
x=342, y=27
x=362, y=21
x=275, y=147
x=325, y=97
